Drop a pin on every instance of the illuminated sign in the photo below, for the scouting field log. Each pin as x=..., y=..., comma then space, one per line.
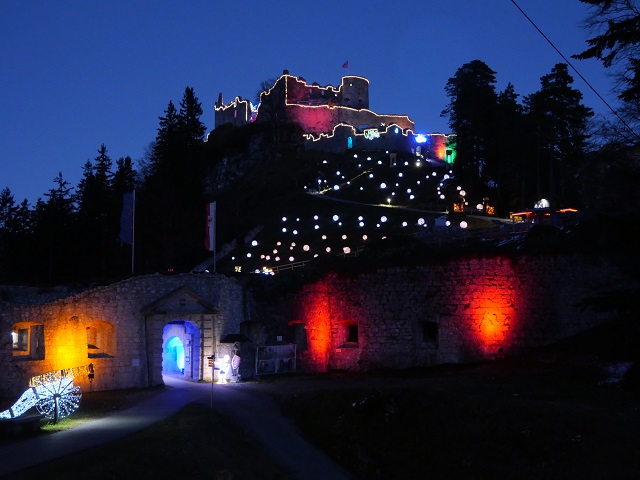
x=371, y=133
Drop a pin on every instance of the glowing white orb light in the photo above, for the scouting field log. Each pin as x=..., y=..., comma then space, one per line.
x=275, y=251
x=315, y=217
x=479, y=206
x=383, y=185
x=284, y=219
x=421, y=221
x=248, y=255
x=284, y=230
x=404, y=224
x=278, y=243
x=346, y=250
x=254, y=243
x=463, y=224
x=324, y=237
x=328, y=249
x=383, y=219
x=364, y=237
x=295, y=232
x=306, y=248
x=336, y=187
x=361, y=224
x=463, y=193
x=291, y=259
x=336, y=218
x=316, y=227
x=344, y=237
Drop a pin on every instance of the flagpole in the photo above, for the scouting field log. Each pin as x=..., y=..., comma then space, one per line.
x=133, y=231
x=214, y=237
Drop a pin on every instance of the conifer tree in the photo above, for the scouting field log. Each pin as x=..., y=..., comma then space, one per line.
x=561, y=124
x=472, y=116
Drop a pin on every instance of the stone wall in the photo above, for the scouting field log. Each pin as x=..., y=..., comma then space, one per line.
x=461, y=311
x=128, y=318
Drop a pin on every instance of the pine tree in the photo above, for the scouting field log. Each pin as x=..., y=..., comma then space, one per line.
x=472, y=116
x=171, y=200
x=55, y=255
x=561, y=123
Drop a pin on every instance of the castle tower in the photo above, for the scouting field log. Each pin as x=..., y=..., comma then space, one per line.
x=355, y=92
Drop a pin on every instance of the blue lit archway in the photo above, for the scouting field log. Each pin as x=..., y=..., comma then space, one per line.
x=173, y=356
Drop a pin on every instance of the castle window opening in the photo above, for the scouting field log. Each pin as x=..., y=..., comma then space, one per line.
x=20, y=339
x=28, y=341
x=100, y=340
x=352, y=333
x=430, y=334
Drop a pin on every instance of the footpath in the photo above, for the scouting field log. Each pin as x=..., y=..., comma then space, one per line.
x=255, y=411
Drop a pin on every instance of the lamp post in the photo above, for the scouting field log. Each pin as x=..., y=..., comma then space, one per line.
x=212, y=359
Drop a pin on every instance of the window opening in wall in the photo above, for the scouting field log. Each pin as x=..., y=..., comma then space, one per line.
x=100, y=340
x=430, y=334
x=352, y=333
x=183, y=302
x=20, y=339
x=28, y=341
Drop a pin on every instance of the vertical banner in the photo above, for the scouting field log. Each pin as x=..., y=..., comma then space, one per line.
x=126, y=217
x=210, y=240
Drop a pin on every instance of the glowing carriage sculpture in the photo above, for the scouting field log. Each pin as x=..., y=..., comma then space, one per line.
x=53, y=394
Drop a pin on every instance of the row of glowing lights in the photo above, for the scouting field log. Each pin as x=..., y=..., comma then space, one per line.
x=276, y=252
x=383, y=185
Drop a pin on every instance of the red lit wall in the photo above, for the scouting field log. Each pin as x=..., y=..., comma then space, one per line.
x=483, y=308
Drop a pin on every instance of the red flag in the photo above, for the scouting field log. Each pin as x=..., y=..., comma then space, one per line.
x=210, y=241
x=345, y=64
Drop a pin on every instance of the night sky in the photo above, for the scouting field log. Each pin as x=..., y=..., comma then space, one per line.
x=76, y=74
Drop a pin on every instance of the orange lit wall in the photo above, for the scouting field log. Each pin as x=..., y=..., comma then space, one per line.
x=491, y=312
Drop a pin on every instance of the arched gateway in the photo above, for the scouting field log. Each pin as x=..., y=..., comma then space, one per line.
x=129, y=330
x=181, y=334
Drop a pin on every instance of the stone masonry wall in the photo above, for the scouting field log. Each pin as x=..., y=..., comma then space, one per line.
x=462, y=311
x=120, y=305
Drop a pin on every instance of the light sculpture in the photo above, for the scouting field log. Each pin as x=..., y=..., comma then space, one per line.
x=53, y=394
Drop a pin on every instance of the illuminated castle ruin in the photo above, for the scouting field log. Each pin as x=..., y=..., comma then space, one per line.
x=335, y=119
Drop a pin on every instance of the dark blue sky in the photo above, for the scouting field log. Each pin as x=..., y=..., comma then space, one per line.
x=76, y=74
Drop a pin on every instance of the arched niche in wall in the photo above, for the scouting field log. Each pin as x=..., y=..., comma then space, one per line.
x=101, y=339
